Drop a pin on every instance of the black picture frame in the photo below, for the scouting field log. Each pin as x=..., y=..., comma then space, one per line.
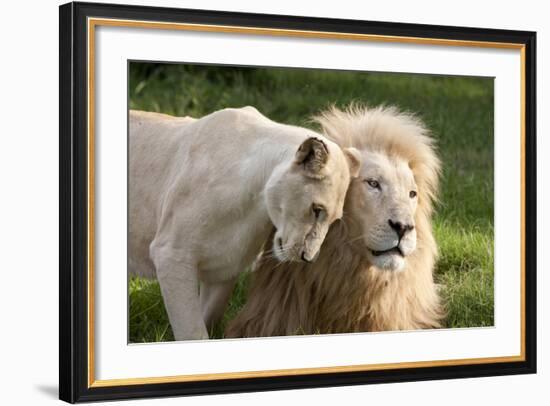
x=74, y=199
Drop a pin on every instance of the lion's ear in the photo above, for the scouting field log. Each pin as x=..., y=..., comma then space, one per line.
x=313, y=156
x=353, y=156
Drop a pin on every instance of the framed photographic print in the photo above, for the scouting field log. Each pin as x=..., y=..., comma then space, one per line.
x=257, y=202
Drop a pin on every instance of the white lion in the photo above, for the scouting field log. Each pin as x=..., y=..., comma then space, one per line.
x=206, y=193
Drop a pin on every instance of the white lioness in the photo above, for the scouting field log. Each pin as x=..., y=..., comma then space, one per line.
x=205, y=194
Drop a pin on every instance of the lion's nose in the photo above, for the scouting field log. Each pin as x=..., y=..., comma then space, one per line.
x=400, y=228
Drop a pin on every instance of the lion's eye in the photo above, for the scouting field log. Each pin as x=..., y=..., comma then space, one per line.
x=373, y=183
x=412, y=194
x=317, y=210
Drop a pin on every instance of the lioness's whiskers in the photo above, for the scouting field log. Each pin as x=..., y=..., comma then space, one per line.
x=270, y=254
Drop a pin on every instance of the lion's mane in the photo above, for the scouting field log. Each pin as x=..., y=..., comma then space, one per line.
x=342, y=292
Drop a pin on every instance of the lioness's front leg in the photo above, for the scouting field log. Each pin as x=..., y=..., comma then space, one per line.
x=214, y=299
x=180, y=291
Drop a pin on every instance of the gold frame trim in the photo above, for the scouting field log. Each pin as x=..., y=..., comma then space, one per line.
x=93, y=22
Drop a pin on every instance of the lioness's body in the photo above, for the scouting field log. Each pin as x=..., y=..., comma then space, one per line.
x=199, y=202
x=217, y=191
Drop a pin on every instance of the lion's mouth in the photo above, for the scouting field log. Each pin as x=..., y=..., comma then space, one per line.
x=395, y=250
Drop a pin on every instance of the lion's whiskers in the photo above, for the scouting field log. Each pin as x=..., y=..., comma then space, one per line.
x=354, y=239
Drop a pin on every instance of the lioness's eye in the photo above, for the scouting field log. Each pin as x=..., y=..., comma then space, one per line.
x=317, y=210
x=412, y=194
x=373, y=183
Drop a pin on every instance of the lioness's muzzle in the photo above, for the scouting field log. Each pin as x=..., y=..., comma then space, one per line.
x=308, y=259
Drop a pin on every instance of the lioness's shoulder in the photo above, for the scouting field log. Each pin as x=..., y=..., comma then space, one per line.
x=247, y=114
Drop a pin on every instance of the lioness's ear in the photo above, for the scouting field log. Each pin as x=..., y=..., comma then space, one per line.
x=313, y=155
x=354, y=161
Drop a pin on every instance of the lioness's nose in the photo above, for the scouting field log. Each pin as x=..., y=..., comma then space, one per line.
x=309, y=260
x=400, y=228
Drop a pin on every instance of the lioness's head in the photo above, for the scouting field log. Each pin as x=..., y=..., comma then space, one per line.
x=306, y=196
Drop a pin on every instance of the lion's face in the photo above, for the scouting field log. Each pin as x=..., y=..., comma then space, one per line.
x=306, y=197
x=384, y=201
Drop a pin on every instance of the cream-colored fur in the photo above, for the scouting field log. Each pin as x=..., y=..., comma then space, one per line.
x=350, y=288
x=205, y=193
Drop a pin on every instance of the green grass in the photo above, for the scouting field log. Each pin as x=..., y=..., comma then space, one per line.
x=458, y=110
x=148, y=318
